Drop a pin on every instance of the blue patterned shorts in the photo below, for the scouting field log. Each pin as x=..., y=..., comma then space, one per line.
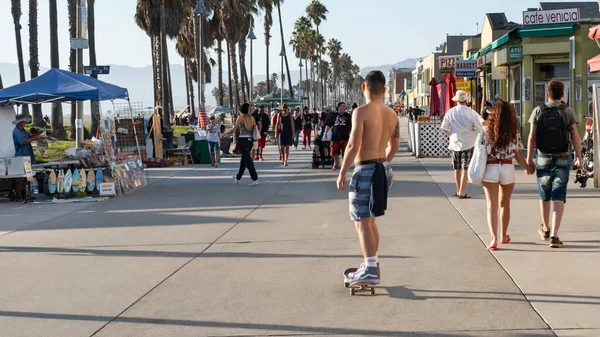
x=368, y=189
x=552, y=173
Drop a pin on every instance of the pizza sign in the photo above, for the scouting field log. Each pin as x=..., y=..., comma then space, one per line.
x=447, y=62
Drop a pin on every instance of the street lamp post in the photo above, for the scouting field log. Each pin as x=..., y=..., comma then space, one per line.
x=252, y=37
x=200, y=12
x=300, y=83
x=282, y=54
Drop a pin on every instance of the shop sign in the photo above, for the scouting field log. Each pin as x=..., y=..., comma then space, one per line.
x=527, y=89
x=499, y=73
x=515, y=53
x=107, y=189
x=465, y=68
x=447, y=62
x=461, y=84
x=551, y=17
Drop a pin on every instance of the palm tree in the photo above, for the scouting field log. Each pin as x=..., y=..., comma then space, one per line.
x=267, y=6
x=161, y=19
x=94, y=105
x=34, y=63
x=233, y=14
x=334, y=47
x=16, y=14
x=317, y=12
x=287, y=66
x=57, y=112
x=325, y=73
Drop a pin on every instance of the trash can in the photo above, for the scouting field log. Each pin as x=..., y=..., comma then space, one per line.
x=167, y=139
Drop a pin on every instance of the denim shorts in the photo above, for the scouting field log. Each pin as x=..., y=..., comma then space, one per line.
x=213, y=147
x=553, y=176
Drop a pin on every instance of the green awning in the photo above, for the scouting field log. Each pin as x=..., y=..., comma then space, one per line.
x=492, y=46
x=547, y=30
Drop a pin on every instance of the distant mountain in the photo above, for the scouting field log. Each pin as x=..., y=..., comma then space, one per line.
x=408, y=63
x=139, y=81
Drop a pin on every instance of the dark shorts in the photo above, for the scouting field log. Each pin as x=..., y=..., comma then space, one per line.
x=368, y=189
x=461, y=159
x=338, y=147
x=262, y=142
x=213, y=147
x=553, y=176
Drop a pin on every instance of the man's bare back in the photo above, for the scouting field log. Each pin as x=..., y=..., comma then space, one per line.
x=378, y=125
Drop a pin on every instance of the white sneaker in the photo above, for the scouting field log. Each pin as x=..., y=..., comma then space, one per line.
x=254, y=183
x=235, y=179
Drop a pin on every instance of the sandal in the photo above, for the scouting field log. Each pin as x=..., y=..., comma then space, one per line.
x=493, y=247
x=545, y=235
x=506, y=241
x=455, y=194
x=466, y=196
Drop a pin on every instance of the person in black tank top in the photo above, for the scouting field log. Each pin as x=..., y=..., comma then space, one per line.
x=245, y=141
x=285, y=123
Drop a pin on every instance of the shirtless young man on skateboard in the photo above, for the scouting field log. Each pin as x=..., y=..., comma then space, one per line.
x=374, y=141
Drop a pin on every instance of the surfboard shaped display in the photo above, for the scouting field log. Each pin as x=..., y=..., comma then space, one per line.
x=99, y=178
x=91, y=180
x=76, y=181
x=83, y=181
x=68, y=181
x=60, y=181
x=52, y=182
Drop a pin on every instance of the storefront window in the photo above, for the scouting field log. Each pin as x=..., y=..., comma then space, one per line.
x=514, y=92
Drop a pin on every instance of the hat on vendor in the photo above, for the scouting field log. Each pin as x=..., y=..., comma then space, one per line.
x=461, y=96
x=21, y=118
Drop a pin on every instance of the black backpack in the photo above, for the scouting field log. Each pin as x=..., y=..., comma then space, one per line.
x=553, y=130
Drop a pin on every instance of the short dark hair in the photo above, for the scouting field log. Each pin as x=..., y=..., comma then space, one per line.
x=375, y=82
x=340, y=104
x=556, y=90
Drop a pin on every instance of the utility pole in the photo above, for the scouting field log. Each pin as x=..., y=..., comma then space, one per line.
x=79, y=68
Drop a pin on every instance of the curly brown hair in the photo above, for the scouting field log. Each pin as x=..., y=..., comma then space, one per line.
x=502, y=125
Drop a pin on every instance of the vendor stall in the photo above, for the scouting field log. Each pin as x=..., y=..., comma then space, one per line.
x=107, y=165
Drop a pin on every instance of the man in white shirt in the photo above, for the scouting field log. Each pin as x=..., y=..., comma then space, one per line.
x=462, y=125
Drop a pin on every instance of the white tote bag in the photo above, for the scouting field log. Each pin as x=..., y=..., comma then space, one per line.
x=478, y=162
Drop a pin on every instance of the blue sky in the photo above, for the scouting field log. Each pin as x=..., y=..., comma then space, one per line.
x=373, y=32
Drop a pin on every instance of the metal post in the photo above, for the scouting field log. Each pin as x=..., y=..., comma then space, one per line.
x=251, y=74
x=200, y=11
x=79, y=70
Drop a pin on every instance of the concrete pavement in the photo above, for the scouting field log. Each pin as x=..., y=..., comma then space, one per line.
x=193, y=254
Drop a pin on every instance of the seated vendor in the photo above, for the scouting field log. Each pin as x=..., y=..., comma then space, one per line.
x=22, y=139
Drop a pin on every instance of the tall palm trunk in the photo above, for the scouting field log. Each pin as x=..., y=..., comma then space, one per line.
x=154, y=43
x=34, y=63
x=232, y=55
x=187, y=80
x=241, y=60
x=220, y=65
x=94, y=105
x=164, y=65
x=16, y=13
x=229, y=78
x=307, y=81
x=190, y=84
x=287, y=66
x=72, y=10
x=57, y=112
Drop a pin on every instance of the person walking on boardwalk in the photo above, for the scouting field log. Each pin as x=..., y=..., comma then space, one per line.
x=307, y=126
x=501, y=139
x=554, y=134
x=341, y=123
x=462, y=125
x=245, y=124
x=297, y=127
x=374, y=141
x=285, y=123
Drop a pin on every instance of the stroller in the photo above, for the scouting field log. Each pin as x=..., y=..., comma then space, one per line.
x=321, y=153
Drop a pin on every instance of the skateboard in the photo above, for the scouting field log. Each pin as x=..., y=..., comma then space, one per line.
x=83, y=181
x=52, y=182
x=91, y=180
x=68, y=181
x=60, y=181
x=357, y=287
x=76, y=181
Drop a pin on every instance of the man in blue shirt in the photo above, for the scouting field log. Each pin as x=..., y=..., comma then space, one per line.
x=22, y=140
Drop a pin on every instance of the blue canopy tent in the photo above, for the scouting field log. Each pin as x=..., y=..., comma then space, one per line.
x=58, y=85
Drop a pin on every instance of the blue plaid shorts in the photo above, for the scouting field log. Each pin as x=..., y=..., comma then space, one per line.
x=368, y=199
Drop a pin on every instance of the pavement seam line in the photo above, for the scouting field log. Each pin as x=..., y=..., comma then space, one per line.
x=198, y=255
x=493, y=255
